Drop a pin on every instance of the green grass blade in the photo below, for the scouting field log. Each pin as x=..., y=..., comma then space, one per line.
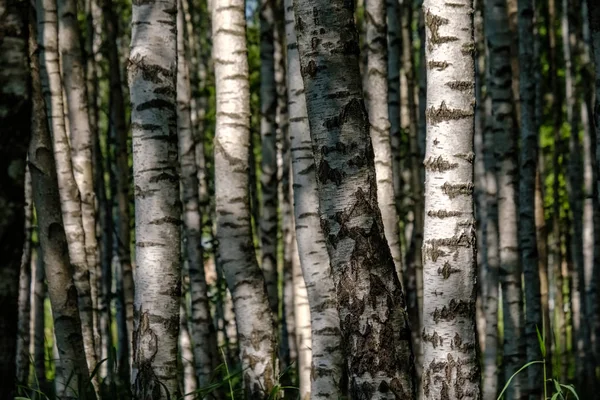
x=515, y=374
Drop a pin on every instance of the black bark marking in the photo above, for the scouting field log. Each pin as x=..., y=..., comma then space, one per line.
x=156, y=103
x=461, y=86
x=454, y=309
x=435, y=339
x=469, y=157
x=439, y=164
x=447, y=270
x=434, y=22
x=443, y=113
x=455, y=190
x=468, y=49
x=145, y=346
x=310, y=69
x=439, y=65
x=326, y=173
x=444, y=213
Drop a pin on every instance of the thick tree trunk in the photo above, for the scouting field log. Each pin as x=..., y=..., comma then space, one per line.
x=201, y=322
x=451, y=365
x=380, y=124
x=268, y=164
x=15, y=109
x=69, y=193
x=374, y=322
x=234, y=232
x=152, y=73
x=327, y=358
x=53, y=241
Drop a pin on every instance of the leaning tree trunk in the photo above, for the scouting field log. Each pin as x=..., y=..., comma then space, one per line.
x=53, y=241
x=202, y=329
x=234, y=232
x=268, y=164
x=380, y=124
x=451, y=364
x=327, y=357
x=81, y=149
x=375, y=329
x=15, y=121
x=152, y=73
x=527, y=170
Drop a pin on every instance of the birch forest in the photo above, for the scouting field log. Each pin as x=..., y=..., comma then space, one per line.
x=299, y=199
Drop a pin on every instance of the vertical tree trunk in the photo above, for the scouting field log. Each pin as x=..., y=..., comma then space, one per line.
x=69, y=193
x=380, y=124
x=234, y=233
x=527, y=172
x=23, y=360
x=201, y=322
x=186, y=354
x=15, y=109
x=152, y=73
x=37, y=307
x=394, y=41
x=121, y=196
x=327, y=377
x=451, y=365
x=53, y=241
x=268, y=164
x=374, y=322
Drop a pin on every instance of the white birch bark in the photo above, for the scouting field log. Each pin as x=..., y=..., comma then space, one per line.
x=257, y=338
x=450, y=361
x=152, y=73
x=327, y=356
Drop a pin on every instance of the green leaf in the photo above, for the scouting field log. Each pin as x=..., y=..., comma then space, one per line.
x=541, y=342
x=571, y=388
x=557, y=385
x=555, y=396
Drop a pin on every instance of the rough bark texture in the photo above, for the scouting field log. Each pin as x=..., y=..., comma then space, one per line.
x=374, y=322
x=450, y=359
x=15, y=109
x=53, y=241
x=327, y=357
x=24, y=327
x=80, y=136
x=121, y=196
x=268, y=163
x=201, y=322
x=527, y=171
x=380, y=124
x=234, y=233
x=152, y=72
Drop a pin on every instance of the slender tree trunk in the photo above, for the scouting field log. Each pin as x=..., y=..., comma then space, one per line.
x=15, y=109
x=449, y=272
x=327, y=359
x=374, y=322
x=268, y=164
x=201, y=322
x=152, y=73
x=37, y=306
x=23, y=358
x=53, y=241
x=234, y=232
x=380, y=124
x=121, y=196
x=69, y=193
x=527, y=173
x=186, y=353
x=394, y=42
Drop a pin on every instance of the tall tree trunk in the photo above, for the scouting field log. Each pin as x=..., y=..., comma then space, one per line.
x=201, y=322
x=37, y=313
x=15, y=109
x=394, y=42
x=186, y=354
x=527, y=171
x=234, y=232
x=380, y=124
x=121, y=196
x=70, y=199
x=268, y=164
x=152, y=74
x=23, y=360
x=327, y=377
x=374, y=322
x=52, y=237
x=449, y=270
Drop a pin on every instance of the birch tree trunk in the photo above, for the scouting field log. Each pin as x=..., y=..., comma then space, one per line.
x=53, y=241
x=268, y=164
x=81, y=150
x=201, y=322
x=15, y=122
x=69, y=193
x=380, y=124
x=234, y=233
x=451, y=366
x=374, y=322
x=327, y=373
x=121, y=175
x=152, y=73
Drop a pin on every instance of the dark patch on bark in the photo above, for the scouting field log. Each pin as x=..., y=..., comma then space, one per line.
x=157, y=104
x=455, y=190
x=461, y=86
x=443, y=113
x=439, y=164
x=468, y=49
x=435, y=339
x=444, y=213
x=439, y=65
x=447, y=270
x=469, y=157
x=173, y=178
x=434, y=22
x=454, y=309
x=326, y=173
x=146, y=386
